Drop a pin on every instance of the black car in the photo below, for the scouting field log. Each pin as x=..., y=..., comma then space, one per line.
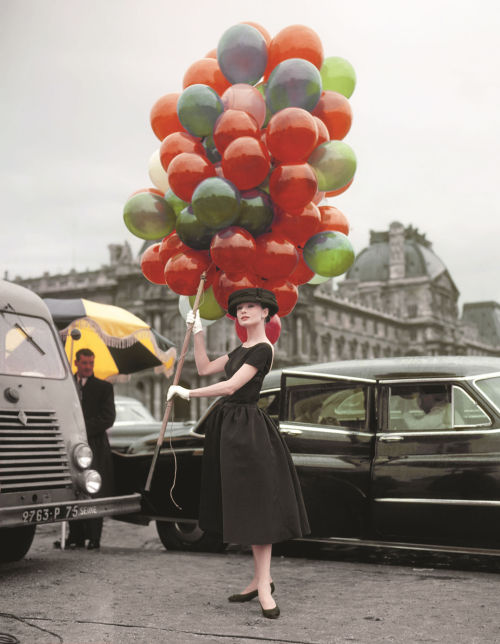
x=399, y=451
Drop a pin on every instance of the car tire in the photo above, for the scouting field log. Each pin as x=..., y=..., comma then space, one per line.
x=15, y=542
x=187, y=536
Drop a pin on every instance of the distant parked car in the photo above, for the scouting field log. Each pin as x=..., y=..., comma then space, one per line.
x=401, y=452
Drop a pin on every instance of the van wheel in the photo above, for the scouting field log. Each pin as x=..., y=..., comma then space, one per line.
x=187, y=536
x=15, y=542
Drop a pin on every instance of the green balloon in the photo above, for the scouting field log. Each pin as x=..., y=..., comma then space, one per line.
x=256, y=212
x=213, y=155
x=148, y=216
x=175, y=202
x=334, y=163
x=209, y=309
x=338, y=75
x=198, y=107
x=192, y=232
x=328, y=253
x=216, y=202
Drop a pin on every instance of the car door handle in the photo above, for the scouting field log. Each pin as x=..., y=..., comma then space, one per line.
x=291, y=432
x=392, y=438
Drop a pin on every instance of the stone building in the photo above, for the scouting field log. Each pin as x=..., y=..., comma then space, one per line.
x=397, y=299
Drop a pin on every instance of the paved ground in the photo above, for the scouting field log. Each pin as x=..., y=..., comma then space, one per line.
x=132, y=590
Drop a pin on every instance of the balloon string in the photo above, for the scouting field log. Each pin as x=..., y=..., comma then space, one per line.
x=175, y=464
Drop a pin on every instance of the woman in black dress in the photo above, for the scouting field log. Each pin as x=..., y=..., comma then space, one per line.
x=250, y=493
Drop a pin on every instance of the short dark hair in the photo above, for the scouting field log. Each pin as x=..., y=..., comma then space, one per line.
x=84, y=352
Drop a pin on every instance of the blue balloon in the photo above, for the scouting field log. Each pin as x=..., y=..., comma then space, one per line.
x=242, y=54
x=293, y=83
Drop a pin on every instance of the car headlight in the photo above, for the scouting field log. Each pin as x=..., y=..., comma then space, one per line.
x=92, y=481
x=82, y=455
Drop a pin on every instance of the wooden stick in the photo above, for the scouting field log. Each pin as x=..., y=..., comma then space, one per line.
x=177, y=377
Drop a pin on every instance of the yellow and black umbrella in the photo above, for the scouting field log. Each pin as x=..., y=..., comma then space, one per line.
x=122, y=342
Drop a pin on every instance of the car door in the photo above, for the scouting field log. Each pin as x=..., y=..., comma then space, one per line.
x=436, y=468
x=326, y=422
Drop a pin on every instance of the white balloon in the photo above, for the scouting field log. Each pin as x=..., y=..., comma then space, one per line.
x=156, y=172
x=185, y=307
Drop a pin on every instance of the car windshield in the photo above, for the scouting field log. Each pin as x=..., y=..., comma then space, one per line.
x=132, y=412
x=28, y=347
x=490, y=387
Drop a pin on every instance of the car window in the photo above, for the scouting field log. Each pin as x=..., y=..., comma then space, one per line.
x=270, y=403
x=126, y=412
x=467, y=412
x=433, y=407
x=327, y=403
x=490, y=387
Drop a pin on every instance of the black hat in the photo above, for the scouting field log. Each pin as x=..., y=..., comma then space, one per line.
x=262, y=296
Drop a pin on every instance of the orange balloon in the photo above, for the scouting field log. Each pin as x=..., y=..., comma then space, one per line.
x=212, y=53
x=339, y=191
x=170, y=246
x=291, y=135
x=178, y=142
x=301, y=274
x=246, y=162
x=153, y=191
x=323, y=134
x=232, y=124
x=151, y=265
x=206, y=71
x=297, y=228
x=335, y=112
x=260, y=28
x=293, y=186
x=163, y=117
x=286, y=294
x=333, y=219
x=186, y=171
x=295, y=41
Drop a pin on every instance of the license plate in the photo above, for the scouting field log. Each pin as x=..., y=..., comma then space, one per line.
x=52, y=513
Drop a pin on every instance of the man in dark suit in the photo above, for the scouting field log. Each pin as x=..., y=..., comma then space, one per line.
x=98, y=406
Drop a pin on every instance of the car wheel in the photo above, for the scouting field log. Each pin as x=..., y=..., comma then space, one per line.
x=15, y=542
x=187, y=536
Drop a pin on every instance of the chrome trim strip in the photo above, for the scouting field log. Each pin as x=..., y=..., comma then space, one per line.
x=443, y=432
x=471, y=502
x=325, y=461
x=328, y=376
x=404, y=381
x=325, y=430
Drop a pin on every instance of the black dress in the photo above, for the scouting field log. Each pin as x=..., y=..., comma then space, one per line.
x=250, y=492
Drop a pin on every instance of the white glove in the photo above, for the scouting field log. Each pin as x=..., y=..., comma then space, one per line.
x=177, y=390
x=195, y=321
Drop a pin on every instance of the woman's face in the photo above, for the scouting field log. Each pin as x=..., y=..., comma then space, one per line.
x=250, y=313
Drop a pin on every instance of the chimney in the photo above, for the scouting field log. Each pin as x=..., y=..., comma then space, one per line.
x=396, y=251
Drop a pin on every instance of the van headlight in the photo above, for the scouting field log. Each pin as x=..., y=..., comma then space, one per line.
x=92, y=481
x=82, y=455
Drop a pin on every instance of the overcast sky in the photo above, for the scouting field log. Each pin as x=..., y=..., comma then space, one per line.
x=79, y=78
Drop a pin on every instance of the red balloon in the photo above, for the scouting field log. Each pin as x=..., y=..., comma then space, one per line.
x=223, y=285
x=339, y=191
x=293, y=186
x=153, y=191
x=295, y=41
x=273, y=329
x=186, y=171
x=287, y=295
x=172, y=245
x=275, y=256
x=247, y=98
x=333, y=219
x=297, y=228
x=183, y=272
x=178, y=142
x=301, y=273
x=245, y=162
x=233, y=249
x=151, y=265
x=163, y=117
x=291, y=135
x=206, y=71
x=323, y=133
x=318, y=197
x=335, y=112
x=232, y=124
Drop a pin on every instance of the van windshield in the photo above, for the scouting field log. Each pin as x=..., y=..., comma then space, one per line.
x=28, y=347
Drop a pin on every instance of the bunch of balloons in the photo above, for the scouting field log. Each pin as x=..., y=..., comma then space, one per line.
x=250, y=150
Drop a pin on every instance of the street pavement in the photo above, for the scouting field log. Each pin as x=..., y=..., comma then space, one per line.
x=133, y=590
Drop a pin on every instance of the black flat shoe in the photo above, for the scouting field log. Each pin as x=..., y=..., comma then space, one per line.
x=246, y=597
x=93, y=545
x=271, y=613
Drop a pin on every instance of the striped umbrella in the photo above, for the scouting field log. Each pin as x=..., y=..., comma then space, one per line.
x=122, y=342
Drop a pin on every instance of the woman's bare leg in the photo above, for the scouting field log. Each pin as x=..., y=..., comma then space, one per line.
x=262, y=562
x=254, y=582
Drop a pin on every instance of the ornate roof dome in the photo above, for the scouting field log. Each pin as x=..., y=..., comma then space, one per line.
x=396, y=254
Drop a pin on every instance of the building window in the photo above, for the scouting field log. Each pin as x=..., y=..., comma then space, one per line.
x=412, y=310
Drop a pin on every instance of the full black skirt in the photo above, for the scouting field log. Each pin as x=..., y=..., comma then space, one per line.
x=250, y=492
